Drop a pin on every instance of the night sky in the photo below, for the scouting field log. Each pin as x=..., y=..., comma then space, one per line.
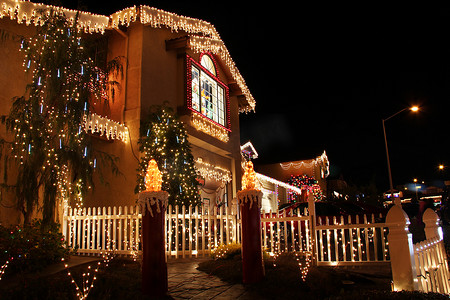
x=324, y=77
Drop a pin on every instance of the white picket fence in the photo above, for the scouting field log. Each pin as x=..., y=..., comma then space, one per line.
x=422, y=266
x=194, y=231
x=431, y=266
x=333, y=241
x=351, y=240
x=286, y=232
x=190, y=231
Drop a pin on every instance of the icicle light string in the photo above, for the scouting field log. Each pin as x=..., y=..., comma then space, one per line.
x=203, y=35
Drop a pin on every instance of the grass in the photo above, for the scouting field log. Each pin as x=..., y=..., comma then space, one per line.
x=283, y=281
x=122, y=280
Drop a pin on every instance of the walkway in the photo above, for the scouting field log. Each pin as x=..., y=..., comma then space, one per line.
x=186, y=282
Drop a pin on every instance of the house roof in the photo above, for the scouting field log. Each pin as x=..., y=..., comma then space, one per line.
x=202, y=35
x=282, y=171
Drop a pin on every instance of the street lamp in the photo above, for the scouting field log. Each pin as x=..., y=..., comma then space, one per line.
x=391, y=187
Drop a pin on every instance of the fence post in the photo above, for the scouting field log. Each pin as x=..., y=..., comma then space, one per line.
x=431, y=220
x=433, y=232
x=401, y=250
x=312, y=226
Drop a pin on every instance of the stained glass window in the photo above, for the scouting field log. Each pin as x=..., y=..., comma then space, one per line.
x=208, y=95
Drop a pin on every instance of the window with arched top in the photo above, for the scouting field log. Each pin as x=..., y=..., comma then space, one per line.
x=208, y=64
x=207, y=95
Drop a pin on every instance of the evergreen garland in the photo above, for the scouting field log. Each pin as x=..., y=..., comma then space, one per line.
x=164, y=139
x=52, y=148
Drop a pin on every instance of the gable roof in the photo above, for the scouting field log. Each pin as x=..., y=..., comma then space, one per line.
x=202, y=35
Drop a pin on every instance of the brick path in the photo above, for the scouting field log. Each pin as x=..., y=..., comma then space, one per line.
x=186, y=282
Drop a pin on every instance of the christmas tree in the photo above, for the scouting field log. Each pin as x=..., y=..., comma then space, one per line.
x=49, y=142
x=164, y=139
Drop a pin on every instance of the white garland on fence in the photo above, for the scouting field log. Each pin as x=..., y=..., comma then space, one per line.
x=251, y=196
x=146, y=199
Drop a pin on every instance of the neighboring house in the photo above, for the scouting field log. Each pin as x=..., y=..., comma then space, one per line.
x=169, y=58
x=274, y=178
x=316, y=168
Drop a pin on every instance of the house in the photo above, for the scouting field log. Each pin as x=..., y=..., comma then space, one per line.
x=309, y=173
x=275, y=180
x=170, y=59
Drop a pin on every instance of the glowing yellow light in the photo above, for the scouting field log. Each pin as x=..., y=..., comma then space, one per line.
x=414, y=108
x=249, y=178
x=441, y=167
x=153, y=177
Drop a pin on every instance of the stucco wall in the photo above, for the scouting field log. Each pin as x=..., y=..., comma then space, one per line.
x=152, y=75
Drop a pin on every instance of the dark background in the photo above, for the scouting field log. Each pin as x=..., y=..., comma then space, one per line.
x=324, y=77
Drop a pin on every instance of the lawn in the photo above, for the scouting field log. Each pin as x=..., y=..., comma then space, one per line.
x=283, y=281
x=122, y=280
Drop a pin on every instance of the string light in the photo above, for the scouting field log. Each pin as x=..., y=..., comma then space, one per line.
x=307, y=183
x=203, y=35
x=164, y=139
x=29, y=13
x=87, y=280
x=4, y=266
x=94, y=123
x=212, y=172
x=205, y=125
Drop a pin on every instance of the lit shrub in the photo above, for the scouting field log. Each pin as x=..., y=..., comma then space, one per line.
x=31, y=247
x=226, y=251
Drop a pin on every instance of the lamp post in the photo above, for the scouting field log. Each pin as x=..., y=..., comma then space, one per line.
x=391, y=187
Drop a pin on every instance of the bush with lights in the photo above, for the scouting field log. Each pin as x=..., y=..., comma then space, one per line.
x=307, y=183
x=31, y=247
x=226, y=251
x=164, y=139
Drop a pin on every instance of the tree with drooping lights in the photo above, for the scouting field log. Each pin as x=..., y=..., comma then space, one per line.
x=53, y=152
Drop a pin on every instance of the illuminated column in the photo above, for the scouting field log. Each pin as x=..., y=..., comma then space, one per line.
x=401, y=250
x=153, y=202
x=250, y=202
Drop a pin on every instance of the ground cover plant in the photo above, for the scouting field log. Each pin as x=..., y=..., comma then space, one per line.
x=31, y=247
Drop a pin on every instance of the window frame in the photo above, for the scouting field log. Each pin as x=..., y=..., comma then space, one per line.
x=190, y=62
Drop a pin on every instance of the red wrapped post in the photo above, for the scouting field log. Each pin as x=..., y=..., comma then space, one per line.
x=153, y=202
x=250, y=203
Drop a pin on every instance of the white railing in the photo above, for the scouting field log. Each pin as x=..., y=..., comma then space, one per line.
x=282, y=232
x=91, y=230
x=431, y=266
x=195, y=231
x=422, y=266
x=190, y=231
x=350, y=240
